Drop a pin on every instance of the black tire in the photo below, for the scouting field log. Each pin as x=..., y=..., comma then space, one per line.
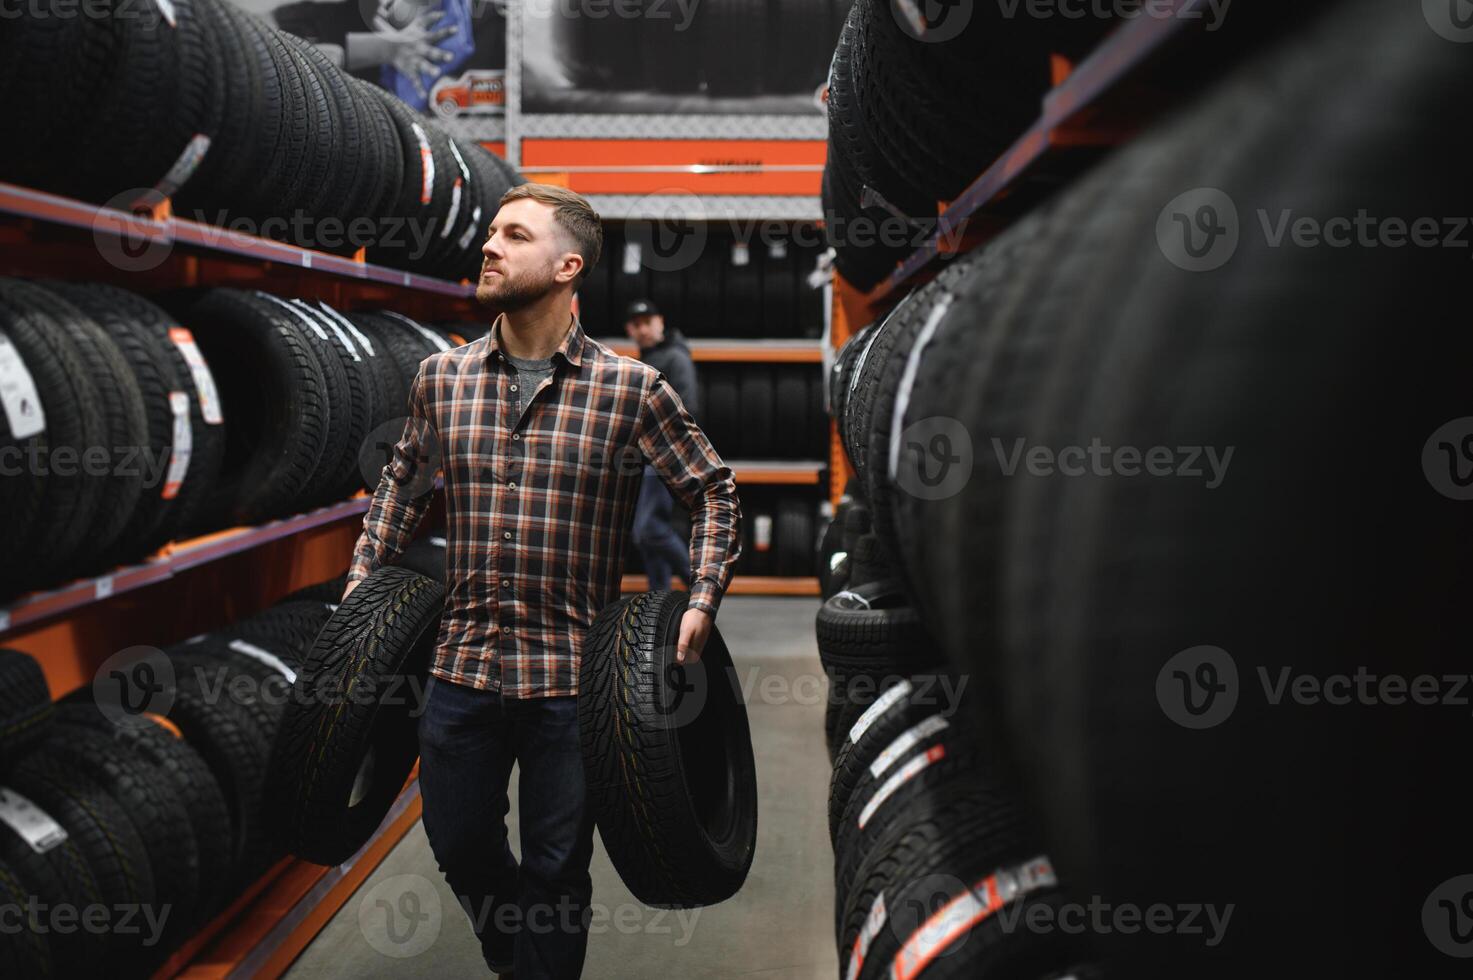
x=793, y=530
x=723, y=413
x=330, y=592
x=732, y=49
x=793, y=437
x=756, y=396
x=290, y=627
x=130, y=321
x=25, y=706
x=124, y=423
x=412, y=199
x=342, y=757
x=24, y=952
x=275, y=404
x=105, y=835
x=188, y=777
x=675, y=799
x=157, y=812
x=908, y=714
x=946, y=842
x=426, y=556
x=47, y=548
x=741, y=295
x=394, y=366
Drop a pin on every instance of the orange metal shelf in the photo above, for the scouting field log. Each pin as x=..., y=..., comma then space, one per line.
x=777, y=471
x=787, y=351
x=260, y=935
x=164, y=228
x=740, y=585
x=35, y=607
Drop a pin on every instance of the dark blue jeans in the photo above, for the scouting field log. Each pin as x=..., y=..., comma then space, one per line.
x=660, y=548
x=534, y=917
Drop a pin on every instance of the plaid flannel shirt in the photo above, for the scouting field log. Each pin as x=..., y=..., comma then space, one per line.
x=538, y=505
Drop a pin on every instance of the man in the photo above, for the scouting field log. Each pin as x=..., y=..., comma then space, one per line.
x=661, y=549
x=541, y=432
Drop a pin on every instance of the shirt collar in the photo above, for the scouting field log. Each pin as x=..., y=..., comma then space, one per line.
x=571, y=348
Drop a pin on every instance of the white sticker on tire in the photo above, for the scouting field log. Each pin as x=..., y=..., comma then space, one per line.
x=311, y=322
x=882, y=704
x=873, y=923
x=426, y=165
x=902, y=776
x=184, y=167
x=183, y=445
x=906, y=741
x=430, y=335
x=337, y=330
x=33, y=824
x=23, y=411
x=349, y=326
x=204, y=381
x=266, y=657
x=908, y=379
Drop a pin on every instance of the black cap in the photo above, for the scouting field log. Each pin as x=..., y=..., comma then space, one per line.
x=639, y=308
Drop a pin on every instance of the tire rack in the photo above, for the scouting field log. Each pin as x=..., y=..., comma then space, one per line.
x=1132, y=77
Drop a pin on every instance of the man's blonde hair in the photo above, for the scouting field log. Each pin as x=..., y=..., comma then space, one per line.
x=573, y=214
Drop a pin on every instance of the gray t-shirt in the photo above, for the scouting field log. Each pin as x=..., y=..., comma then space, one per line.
x=529, y=376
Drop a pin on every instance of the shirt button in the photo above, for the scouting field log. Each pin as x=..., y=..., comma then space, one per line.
x=506, y=583
x=511, y=486
x=513, y=387
x=515, y=436
x=506, y=534
x=506, y=629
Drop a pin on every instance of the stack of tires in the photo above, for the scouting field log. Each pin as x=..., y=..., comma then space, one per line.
x=763, y=411
x=1094, y=456
x=157, y=809
x=132, y=424
x=260, y=132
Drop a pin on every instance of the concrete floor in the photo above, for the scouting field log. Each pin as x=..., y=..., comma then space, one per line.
x=778, y=927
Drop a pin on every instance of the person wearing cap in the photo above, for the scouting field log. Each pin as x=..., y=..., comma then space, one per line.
x=660, y=548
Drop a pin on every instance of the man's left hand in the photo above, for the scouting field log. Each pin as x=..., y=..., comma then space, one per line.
x=695, y=627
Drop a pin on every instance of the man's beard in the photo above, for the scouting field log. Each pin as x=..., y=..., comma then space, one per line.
x=510, y=295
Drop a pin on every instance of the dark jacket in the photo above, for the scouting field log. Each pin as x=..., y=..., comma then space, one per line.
x=671, y=357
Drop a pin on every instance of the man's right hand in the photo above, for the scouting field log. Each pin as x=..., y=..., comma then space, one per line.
x=351, y=586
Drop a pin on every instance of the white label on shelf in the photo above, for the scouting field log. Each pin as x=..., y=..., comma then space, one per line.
x=740, y=254
x=908, y=379
x=762, y=532
x=430, y=335
x=777, y=250
x=882, y=704
x=426, y=165
x=204, y=381
x=32, y=823
x=18, y=393
x=316, y=314
x=306, y=260
x=902, y=775
x=632, y=257
x=266, y=657
x=103, y=587
x=166, y=7
x=905, y=742
x=184, y=167
x=183, y=445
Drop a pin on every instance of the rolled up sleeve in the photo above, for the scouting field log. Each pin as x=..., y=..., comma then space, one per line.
x=689, y=465
x=403, y=493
